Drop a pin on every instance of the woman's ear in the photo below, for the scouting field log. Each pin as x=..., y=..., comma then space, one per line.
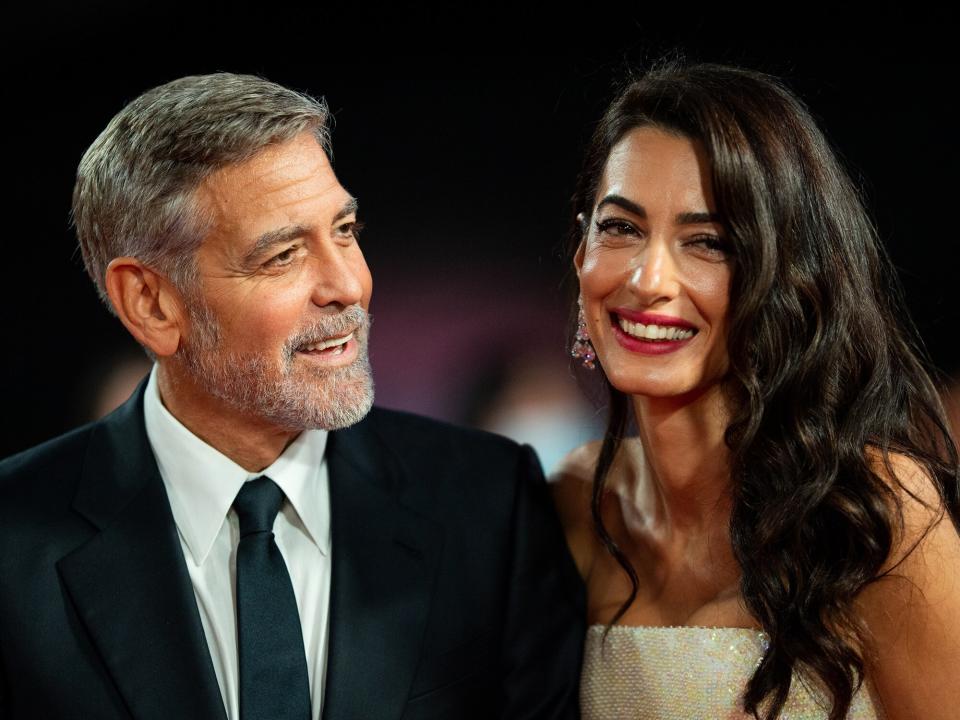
x=582, y=247
x=146, y=303
x=578, y=255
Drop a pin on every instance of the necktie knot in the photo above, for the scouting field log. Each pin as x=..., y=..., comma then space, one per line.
x=257, y=505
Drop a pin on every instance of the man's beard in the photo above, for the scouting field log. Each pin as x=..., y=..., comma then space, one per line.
x=256, y=384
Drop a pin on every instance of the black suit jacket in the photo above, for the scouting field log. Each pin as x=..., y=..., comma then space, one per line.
x=452, y=593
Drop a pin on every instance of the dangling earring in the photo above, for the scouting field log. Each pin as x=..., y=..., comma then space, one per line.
x=582, y=348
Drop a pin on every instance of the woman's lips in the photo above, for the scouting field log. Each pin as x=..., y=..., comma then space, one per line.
x=659, y=335
x=649, y=318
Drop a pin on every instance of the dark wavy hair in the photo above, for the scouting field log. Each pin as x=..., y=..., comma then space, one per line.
x=826, y=374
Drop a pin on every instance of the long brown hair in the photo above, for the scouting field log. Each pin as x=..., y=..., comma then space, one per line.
x=823, y=366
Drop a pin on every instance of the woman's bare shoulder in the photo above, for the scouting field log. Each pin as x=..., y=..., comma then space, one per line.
x=572, y=482
x=572, y=486
x=910, y=612
x=578, y=464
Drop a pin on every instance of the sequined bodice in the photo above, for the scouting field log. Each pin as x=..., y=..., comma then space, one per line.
x=667, y=673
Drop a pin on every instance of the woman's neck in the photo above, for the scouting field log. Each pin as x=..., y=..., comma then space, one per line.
x=688, y=462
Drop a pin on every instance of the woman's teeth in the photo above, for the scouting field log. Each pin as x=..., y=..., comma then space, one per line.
x=654, y=332
x=337, y=343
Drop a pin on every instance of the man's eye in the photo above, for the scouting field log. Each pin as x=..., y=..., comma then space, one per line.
x=283, y=258
x=350, y=229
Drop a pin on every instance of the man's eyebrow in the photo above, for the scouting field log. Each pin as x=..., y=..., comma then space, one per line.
x=274, y=237
x=349, y=208
x=282, y=235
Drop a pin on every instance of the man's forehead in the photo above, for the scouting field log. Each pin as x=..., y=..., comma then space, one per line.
x=288, y=185
x=274, y=167
x=279, y=178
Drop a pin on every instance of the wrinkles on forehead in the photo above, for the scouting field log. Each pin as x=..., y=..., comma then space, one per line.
x=274, y=195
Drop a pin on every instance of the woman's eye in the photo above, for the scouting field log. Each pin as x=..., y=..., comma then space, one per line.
x=616, y=228
x=714, y=244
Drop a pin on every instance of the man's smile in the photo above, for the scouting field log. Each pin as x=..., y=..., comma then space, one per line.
x=332, y=352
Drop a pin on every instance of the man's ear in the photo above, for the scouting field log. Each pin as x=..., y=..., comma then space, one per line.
x=147, y=304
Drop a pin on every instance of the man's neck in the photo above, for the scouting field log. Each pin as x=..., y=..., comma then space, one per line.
x=251, y=442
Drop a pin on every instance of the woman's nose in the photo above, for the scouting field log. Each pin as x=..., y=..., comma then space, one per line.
x=655, y=275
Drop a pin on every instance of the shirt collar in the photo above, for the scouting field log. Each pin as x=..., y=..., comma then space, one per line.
x=202, y=482
x=302, y=475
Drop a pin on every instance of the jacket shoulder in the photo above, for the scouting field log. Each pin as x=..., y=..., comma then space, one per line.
x=31, y=474
x=456, y=471
x=419, y=433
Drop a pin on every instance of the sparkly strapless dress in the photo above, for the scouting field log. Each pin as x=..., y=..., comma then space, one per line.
x=688, y=673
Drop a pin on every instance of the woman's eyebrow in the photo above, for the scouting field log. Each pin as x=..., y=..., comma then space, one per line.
x=694, y=218
x=684, y=218
x=622, y=202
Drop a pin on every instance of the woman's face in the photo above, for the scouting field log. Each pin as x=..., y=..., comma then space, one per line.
x=654, y=268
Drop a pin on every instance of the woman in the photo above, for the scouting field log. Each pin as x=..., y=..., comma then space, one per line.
x=770, y=523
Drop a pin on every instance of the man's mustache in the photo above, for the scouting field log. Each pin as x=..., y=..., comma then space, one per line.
x=352, y=318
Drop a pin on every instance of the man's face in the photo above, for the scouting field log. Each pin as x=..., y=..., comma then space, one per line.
x=279, y=324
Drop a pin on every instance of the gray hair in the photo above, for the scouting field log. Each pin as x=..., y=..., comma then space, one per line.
x=134, y=194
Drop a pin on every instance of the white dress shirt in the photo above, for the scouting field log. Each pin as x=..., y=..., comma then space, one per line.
x=202, y=484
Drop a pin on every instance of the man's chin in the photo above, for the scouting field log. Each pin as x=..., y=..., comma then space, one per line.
x=306, y=398
x=330, y=403
x=347, y=409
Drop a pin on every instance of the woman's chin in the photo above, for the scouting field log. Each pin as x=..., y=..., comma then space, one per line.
x=680, y=390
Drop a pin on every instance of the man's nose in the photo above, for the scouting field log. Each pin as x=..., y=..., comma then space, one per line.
x=338, y=278
x=654, y=276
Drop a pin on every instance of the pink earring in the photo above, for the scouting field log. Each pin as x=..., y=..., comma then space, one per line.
x=582, y=348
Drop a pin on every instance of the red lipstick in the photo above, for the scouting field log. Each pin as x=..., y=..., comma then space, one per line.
x=646, y=346
x=648, y=318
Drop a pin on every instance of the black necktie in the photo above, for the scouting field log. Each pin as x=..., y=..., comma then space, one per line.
x=273, y=666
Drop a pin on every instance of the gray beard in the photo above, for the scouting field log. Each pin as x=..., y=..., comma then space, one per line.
x=254, y=384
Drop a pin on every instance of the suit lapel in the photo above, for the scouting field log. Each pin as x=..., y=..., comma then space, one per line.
x=384, y=561
x=129, y=584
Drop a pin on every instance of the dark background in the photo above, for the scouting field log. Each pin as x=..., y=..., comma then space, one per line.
x=461, y=133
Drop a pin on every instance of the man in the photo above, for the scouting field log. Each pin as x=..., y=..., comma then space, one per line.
x=245, y=538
